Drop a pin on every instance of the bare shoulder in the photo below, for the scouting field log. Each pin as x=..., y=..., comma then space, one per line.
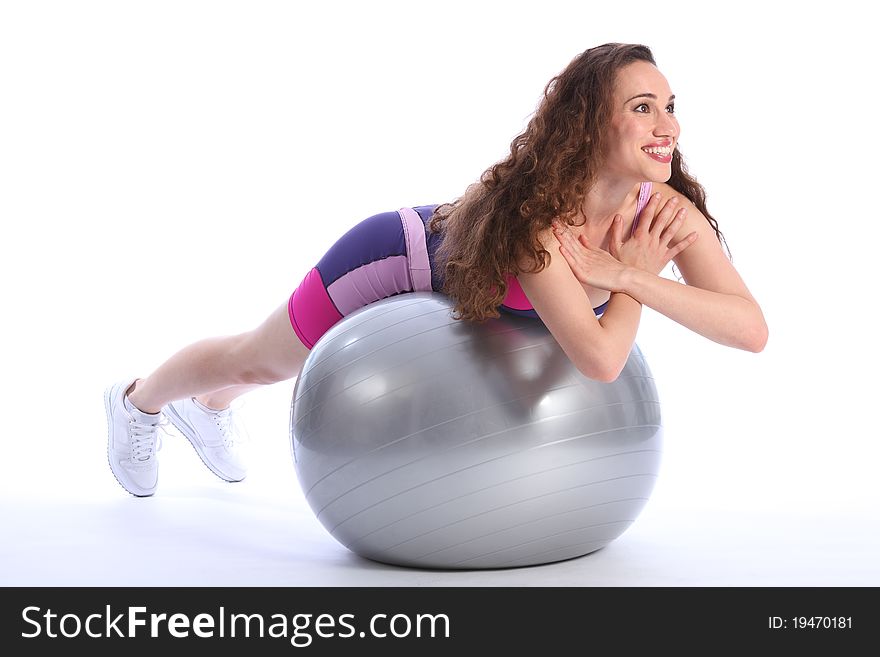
x=695, y=220
x=548, y=241
x=666, y=192
x=704, y=263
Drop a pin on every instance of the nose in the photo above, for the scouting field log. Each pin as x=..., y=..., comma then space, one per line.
x=666, y=126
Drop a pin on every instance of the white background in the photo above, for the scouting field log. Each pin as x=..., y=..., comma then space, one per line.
x=171, y=170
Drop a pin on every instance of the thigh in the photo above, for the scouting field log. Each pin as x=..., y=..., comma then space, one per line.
x=271, y=352
x=381, y=256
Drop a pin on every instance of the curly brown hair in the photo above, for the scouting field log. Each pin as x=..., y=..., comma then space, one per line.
x=552, y=164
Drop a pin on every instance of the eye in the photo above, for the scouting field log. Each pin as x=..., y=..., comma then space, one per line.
x=671, y=108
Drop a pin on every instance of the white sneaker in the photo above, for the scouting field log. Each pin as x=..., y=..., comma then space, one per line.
x=214, y=435
x=132, y=442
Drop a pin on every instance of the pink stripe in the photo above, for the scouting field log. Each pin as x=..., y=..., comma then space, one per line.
x=416, y=250
x=310, y=309
x=644, y=197
x=368, y=283
x=515, y=297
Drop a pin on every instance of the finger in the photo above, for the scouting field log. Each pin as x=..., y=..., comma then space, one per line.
x=574, y=262
x=571, y=256
x=565, y=254
x=560, y=235
x=648, y=215
x=673, y=226
x=616, y=235
x=683, y=244
x=561, y=232
x=662, y=219
x=571, y=242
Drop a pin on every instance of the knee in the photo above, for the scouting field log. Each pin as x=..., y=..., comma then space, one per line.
x=257, y=376
x=251, y=363
x=258, y=373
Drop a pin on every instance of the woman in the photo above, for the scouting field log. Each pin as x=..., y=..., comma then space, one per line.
x=573, y=228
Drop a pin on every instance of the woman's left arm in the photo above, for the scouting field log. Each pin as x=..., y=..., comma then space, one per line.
x=715, y=301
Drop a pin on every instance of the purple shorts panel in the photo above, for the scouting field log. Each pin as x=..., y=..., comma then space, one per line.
x=383, y=255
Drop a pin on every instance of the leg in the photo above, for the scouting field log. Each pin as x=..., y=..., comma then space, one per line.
x=383, y=255
x=231, y=364
x=220, y=399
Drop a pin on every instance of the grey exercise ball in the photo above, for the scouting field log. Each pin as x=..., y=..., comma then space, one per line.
x=424, y=441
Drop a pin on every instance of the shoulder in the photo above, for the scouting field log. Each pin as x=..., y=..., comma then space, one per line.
x=666, y=192
x=704, y=263
x=547, y=241
x=695, y=221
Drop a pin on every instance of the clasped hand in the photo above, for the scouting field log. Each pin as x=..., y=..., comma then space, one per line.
x=649, y=248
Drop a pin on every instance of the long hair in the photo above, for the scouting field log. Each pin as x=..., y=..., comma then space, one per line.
x=552, y=164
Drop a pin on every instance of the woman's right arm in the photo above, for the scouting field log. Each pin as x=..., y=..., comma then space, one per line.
x=599, y=348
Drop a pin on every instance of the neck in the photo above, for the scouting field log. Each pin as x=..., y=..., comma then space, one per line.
x=608, y=197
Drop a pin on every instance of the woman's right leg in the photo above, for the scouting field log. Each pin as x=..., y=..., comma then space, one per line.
x=211, y=371
x=383, y=255
x=222, y=368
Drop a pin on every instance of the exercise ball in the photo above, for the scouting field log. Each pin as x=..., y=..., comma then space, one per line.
x=424, y=441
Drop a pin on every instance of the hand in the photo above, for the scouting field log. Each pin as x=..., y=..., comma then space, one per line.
x=649, y=248
x=590, y=265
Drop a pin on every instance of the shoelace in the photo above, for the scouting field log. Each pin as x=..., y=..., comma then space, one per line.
x=230, y=431
x=144, y=440
x=226, y=426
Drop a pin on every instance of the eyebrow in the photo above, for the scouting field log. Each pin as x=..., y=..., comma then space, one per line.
x=652, y=96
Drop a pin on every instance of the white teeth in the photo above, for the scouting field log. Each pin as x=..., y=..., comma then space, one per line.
x=659, y=150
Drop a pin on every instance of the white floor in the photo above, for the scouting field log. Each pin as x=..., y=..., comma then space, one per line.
x=198, y=530
x=205, y=535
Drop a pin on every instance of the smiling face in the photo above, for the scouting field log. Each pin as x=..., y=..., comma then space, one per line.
x=643, y=130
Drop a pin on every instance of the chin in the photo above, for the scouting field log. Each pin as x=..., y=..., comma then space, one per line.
x=658, y=176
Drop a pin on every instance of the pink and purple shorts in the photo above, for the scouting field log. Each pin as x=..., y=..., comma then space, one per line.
x=383, y=255
x=387, y=254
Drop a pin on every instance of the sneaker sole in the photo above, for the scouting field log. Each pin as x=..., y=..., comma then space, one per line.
x=180, y=424
x=107, y=395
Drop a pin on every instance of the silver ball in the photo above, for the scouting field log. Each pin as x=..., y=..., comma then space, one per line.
x=420, y=440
